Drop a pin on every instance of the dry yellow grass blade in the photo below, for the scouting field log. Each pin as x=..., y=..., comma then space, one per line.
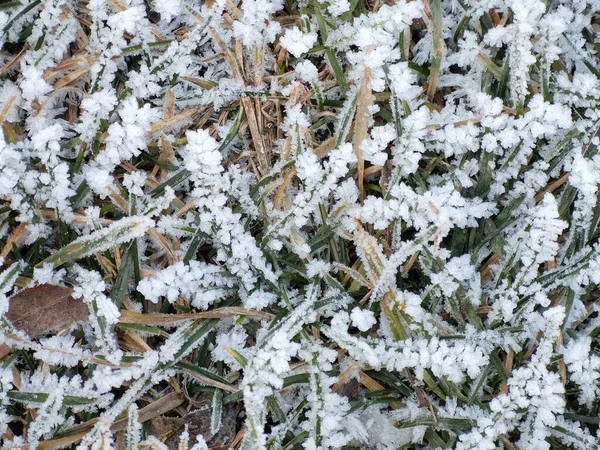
x=325, y=147
x=7, y=107
x=185, y=208
x=75, y=62
x=552, y=186
x=281, y=200
x=257, y=139
x=107, y=266
x=119, y=200
x=13, y=62
x=508, y=365
x=71, y=77
x=167, y=155
x=12, y=132
x=368, y=382
x=278, y=200
x=237, y=13
x=249, y=109
x=258, y=69
x=204, y=84
x=13, y=239
x=389, y=304
x=133, y=342
x=373, y=262
x=167, y=319
x=438, y=47
x=345, y=376
x=237, y=440
x=174, y=120
x=80, y=219
x=157, y=408
x=372, y=170
x=58, y=443
x=361, y=125
x=235, y=69
x=410, y=263
x=370, y=253
x=562, y=367
x=458, y=123
x=485, y=269
x=374, y=386
x=165, y=244
x=169, y=104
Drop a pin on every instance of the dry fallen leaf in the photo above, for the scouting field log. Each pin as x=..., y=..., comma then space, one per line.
x=42, y=308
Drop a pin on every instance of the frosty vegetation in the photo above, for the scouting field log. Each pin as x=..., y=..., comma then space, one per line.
x=355, y=223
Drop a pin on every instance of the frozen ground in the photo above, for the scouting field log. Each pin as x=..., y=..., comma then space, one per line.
x=315, y=224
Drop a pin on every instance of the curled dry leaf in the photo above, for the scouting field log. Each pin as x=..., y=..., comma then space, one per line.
x=42, y=308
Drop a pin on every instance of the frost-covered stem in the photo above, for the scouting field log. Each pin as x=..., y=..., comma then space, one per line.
x=318, y=408
x=188, y=337
x=361, y=125
x=438, y=48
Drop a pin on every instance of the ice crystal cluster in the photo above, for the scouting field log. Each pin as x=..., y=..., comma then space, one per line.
x=333, y=223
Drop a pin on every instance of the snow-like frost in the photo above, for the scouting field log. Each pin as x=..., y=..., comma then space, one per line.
x=404, y=195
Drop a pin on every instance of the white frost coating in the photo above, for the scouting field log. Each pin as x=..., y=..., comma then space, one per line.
x=201, y=284
x=234, y=338
x=545, y=228
x=471, y=244
x=296, y=42
x=255, y=28
x=337, y=7
x=168, y=9
x=203, y=155
x=121, y=231
x=103, y=312
x=61, y=350
x=362, y=319
x=584, y=367
x=306, y=71
x=127, y=138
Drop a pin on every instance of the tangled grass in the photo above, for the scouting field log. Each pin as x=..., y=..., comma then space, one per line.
x=299, y=224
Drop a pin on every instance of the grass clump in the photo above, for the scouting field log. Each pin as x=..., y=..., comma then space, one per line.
x=316, y=224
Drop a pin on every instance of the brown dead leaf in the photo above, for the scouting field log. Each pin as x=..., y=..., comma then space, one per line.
x=39, y=309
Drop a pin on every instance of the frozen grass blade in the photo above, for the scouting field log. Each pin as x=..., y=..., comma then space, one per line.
x=361, y=126
x=354, y=223
x=438, y=47
x=123, y=230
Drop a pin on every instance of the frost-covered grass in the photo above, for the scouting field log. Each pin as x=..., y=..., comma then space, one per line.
x=353, y=223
